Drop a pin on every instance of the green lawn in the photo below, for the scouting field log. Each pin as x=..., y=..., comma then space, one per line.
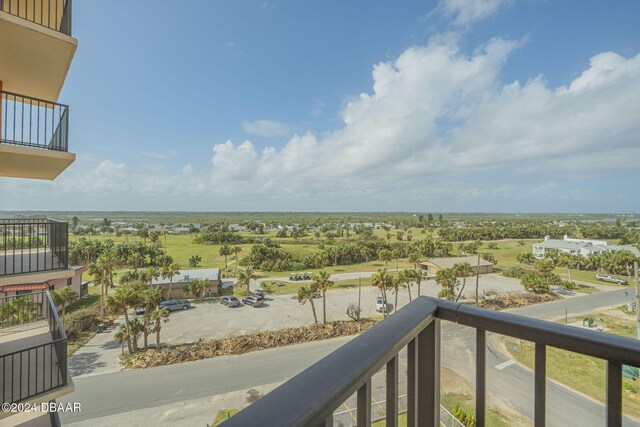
x=583, y=373
x=588, y=276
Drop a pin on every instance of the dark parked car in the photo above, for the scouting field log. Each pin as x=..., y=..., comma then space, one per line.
x=254, y=301
x=174, y=304
x=230, y=301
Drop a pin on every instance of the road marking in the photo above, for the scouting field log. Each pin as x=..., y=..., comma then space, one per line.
x=503, y=365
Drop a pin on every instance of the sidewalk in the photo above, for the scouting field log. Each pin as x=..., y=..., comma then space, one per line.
x=98, y=356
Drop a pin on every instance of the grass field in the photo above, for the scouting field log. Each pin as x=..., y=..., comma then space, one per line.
x=583, y=373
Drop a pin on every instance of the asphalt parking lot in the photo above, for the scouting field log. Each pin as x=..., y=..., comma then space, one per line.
x=214, y=320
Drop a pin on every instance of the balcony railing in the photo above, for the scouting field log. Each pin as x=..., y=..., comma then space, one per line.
x=33, y=122
x=53, y=14
x=33, y=245
x=311, y=397
x=37, y=369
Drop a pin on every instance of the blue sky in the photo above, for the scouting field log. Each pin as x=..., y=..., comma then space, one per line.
x=451, y=105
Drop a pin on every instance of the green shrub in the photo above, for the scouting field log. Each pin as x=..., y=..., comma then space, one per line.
x=86, y=319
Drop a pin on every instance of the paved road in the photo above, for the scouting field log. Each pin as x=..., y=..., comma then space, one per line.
x=129, y=390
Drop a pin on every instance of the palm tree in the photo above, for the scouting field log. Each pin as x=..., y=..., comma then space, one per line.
x=118, y=303
x=447, y=278
x=323, y=282
x=382, y=281
x=102, y=271
x=245, y=278
x=566, y=260
x=150, y=298
x=136, y=328
x=236, y=250
x=386, y=256
x=406, y=279
x=152, y=273
x=157, y=318
x=307, y=294
x=462, y=269
x=169, y=272
x=417, y=276
x=396, y=255
x=63, y=297
x=414, y=258
x=396, y=284
x=225, y=251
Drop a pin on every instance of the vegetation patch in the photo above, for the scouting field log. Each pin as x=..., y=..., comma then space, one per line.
x=223, y=415
x=584, y=373
x=241, y=344
x=515, y=300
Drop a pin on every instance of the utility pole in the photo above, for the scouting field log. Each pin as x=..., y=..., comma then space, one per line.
x=359, y=291
x=635, y=268
x=477, y=279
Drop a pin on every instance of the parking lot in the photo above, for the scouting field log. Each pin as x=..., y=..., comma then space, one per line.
x=213, y=320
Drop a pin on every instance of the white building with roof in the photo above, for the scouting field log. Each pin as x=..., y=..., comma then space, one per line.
x=582, y=247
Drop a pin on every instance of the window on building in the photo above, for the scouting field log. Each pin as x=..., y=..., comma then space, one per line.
x=69, y=281
x=23, y=293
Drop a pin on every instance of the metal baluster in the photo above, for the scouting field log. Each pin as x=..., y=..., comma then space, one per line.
x=364, y=404
x=429, y=375
x=392, y=392
x=411, y=383
x=614, y=394
x=540, y=394
x=481, y=367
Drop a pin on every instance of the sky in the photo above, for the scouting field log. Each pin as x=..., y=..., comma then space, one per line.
x=417, y=106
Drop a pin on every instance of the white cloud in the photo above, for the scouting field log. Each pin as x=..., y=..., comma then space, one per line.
x=159, y=155
x=465, y=12
x=435, y=120
x=266, y=128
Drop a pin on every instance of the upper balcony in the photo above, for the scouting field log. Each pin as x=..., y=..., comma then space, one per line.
x=410, y=341
x=34, y=137
x=33, y=250
x=36, y=46
x=34, y=351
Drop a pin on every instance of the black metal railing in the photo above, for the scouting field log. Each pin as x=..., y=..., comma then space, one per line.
x=33, y=245
x=53, y=14
x=22, y=309
x=33, y=122
x=40, y=368
x=311, y=397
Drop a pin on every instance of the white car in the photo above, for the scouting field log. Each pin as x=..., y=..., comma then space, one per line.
x=380, y=306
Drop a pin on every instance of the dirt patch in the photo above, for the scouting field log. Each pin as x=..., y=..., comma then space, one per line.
x=515, y=300
x=241, y=344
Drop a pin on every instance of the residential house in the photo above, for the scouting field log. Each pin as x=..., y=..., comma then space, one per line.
x=581, y=247
x=186, y=276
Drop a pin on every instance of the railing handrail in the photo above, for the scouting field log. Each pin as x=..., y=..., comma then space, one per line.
x=55, y=319
x=591, y=343
x=337, y=376
x=33, y=347
x=309, y=398
x=22, y=221
x=31, y=98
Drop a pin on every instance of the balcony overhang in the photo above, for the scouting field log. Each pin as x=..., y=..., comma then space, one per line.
x=35, y=59
x=37, y=277
x=34, y=163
